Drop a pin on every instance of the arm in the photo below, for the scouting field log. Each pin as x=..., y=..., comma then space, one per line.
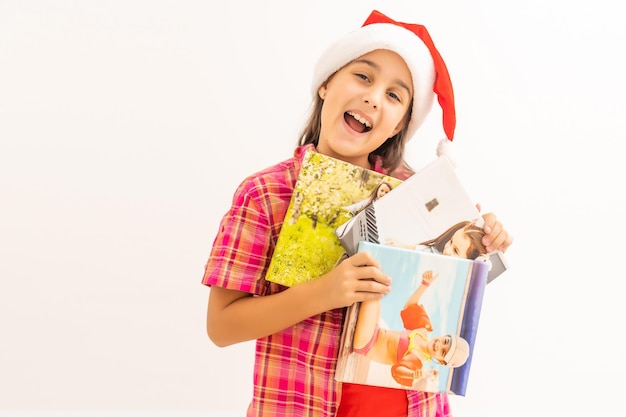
x=367, y=322
x=235, y=316
x=427, y=278
x=392, y=242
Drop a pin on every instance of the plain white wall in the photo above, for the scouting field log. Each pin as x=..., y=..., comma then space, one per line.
x=125, y=127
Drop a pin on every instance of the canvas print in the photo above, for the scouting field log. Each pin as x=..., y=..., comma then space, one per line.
x=421, y=335
x=415, y=214
x=328, y=192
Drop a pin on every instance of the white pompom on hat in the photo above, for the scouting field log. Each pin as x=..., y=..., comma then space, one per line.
x=413, y=43
x=458, y=353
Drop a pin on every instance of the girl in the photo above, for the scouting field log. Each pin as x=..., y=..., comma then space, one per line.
x=463, y=240
x=372, y=89
x=379, y=192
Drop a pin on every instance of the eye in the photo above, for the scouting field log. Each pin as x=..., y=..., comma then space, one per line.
x=454, y=248
x=395, y=97
x=362, y=76
x=444, y=347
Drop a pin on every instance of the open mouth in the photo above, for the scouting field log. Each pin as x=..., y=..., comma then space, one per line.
x=357, y=123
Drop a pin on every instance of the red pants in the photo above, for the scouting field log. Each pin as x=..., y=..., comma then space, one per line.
x=364, y=401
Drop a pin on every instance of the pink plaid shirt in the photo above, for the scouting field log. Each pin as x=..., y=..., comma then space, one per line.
x=294, y=368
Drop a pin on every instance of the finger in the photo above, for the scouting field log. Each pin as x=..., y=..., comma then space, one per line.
x=489, y=220
x=372, y=287
x=372, y=274
x=367, y=296
x=508, y=242
x=364, y=259
x=492, y=229
x=497, y=238
x=362, y=266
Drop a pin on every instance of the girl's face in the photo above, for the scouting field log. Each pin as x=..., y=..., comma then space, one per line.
x=458, y=246
x=438, y=347
x=365, y=103
x=382, y=190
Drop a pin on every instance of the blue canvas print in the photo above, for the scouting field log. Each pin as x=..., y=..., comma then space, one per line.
x=421, y=335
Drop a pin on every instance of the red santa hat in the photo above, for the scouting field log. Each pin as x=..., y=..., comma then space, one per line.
x=413, y=43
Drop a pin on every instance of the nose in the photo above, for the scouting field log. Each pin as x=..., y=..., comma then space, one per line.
x=371, y=97
x=370, y=102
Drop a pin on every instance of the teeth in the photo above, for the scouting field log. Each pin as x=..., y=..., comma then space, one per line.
x=360, y=119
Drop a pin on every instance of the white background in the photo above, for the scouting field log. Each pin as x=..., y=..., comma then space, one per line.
x=125, y=127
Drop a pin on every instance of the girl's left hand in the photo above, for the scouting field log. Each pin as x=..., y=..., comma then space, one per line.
x=496, y=237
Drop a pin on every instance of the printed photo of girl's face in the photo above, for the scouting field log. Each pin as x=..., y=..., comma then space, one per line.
x=382, y=190
x=458, y=245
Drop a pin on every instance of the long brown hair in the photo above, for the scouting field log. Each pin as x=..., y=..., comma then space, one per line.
x=473, y=232
x=391, y=151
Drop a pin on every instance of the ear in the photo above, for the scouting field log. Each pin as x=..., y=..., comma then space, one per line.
x=322, y=91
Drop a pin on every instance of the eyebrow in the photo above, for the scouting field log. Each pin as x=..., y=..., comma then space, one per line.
x=377, y=67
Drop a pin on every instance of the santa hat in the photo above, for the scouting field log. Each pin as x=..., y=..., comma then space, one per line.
x=413, y=43
x=458, y=353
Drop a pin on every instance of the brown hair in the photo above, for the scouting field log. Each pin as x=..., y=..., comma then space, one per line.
x=391, y=151
x=473, y=232
x=374, y=194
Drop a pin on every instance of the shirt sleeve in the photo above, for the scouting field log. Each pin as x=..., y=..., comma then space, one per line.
x=415, y=317
x=242, y=248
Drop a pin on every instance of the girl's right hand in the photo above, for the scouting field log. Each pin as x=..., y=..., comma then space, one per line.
x=357, y=278
x=429, y=277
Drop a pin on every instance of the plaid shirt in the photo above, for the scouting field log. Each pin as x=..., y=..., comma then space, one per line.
x=294, y=368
